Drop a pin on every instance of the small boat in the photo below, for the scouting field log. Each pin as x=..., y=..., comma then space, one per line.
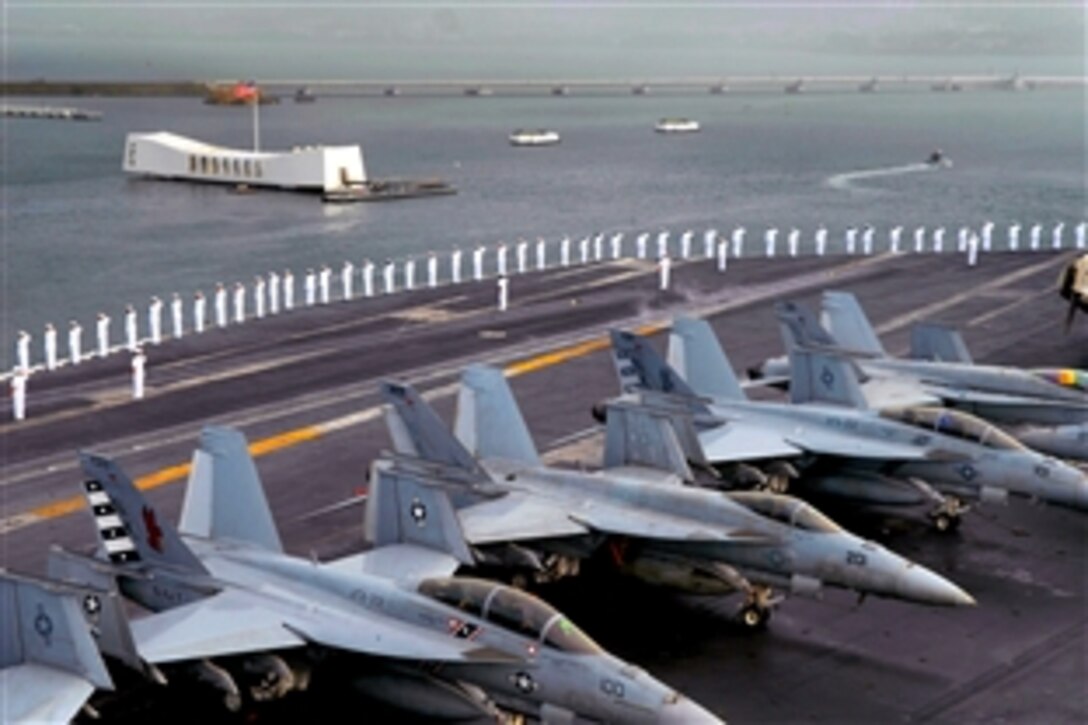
x=937, y=158
x=534, y=137
x=676, y=125
x=304, y=95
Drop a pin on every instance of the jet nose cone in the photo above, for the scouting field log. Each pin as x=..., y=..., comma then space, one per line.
x=922, y=585
x=687, y=712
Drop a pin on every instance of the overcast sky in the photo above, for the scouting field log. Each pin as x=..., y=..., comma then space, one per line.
x=190, y=39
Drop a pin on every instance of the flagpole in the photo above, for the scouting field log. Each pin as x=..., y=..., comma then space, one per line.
x=256, y=123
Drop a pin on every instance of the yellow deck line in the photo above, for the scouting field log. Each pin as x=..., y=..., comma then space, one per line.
x=291, y=438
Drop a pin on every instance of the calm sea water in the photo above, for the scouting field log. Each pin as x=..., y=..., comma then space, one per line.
x=79, y=236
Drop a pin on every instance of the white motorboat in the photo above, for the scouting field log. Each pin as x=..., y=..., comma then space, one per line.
x=676, y=125
x=534, y=137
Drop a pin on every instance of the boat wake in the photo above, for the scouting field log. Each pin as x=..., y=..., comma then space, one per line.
x=848, y=180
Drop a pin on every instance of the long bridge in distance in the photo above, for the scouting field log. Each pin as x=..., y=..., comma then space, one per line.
x=782, y=83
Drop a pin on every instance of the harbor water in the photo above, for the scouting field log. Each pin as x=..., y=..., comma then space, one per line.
x=78, y=236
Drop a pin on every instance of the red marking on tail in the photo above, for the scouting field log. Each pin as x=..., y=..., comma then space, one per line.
x=154, y=531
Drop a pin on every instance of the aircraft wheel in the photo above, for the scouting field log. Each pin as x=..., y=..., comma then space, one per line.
x=946, y=523
x=754, y=617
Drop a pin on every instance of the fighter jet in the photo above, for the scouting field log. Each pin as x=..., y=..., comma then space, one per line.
x=50, y=663
x=1044, y=408
x=635, y=513
x=231, y=602
x=902, y=456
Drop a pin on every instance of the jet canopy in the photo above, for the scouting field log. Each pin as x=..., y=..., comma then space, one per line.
x=511, y=609
x=954, y=423
x=787, y=510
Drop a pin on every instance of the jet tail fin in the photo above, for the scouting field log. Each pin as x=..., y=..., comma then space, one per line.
x=96, y=585
x=41, y=623
x=225, y=498
x=825, y=377
x=130, y=529
x=405, y=507
x=417, y=431
x=939, y=343
x=489, y=422
x=848, y=324
x=636, y=435
x=640, y=368
x=696, y=353
x=800, y=327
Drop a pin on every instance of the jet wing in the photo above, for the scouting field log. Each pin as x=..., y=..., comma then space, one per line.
x=35, y=693
x=238, y=621
x=631, y=522
x=896, y=393
x=828, y=443
x=399, y=562
x=744, y=442
x=517, y=517
x=231, y=622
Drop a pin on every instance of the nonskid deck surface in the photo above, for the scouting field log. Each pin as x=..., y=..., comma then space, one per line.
x=302, y=387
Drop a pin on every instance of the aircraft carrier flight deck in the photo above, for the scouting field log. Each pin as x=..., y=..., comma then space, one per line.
x=303, y=388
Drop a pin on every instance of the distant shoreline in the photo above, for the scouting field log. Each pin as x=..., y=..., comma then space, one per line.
x=103, y=88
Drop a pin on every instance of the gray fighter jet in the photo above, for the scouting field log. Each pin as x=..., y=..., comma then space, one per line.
x=1046, y=409
x=516, y=511
x=50, y=663
x=898, y=457
x=230, y=601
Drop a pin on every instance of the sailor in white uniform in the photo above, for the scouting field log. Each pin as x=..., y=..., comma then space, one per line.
x=793, y=241
x=455, y=265
x=598, y=247
x=139, y=363
x=389, y=284
x=102, y=334
x=987, y=236
x=220, y=305
x=500, y=259
x=1056, y=236
x=1036, y=236
x=723, y=255
x=583, y=250
x=1081, y=233
x=432, y=270
x=640, y=244
x=821, y=241
x=177, y=316
x=368, y=278
x=503, y=284
x=1014, y=236
x=770, y=241
x=664, y=268
x=347, y=279
x=154, y=320
x=131, y=340
x=851, y=240
x=738, y=242
x=685, y=243
x=710, y=239
x=258, y=296
x=972, y=250
x=478, y=262
x=273, y=293
x=75, y=341
x=288, y=290
x=311, y=287
x=919, y=239
x=49, y=343
x=239, y=303
x=867, y=239
x=325, y=283
x=894, y=236
x=410, y=273
x=523, y=256
x=541, y=253
x=564, y=252
x=616, y=244
x=938, y=240
x=22, y=350
x=961, y=239
x=200, y=312
x=662, y=243
x=18, y=393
